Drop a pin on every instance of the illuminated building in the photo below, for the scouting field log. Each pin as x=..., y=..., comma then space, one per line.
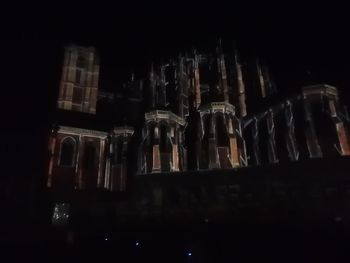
x=197, y=122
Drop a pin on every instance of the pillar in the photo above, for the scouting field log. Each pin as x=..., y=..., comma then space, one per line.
x=197, y=90
x=213, y=151
x=124, y=165
x=199, y=138
x=290, y=135
x=256, y=148
x=241, y=143
x=342, y=132
x=107, y=179
x=141, y=155
x=234, y=155
x=52, y=146
x=182, y=151
x=175, y=150
x=78, y=170
x=101, y=162
x=272, y=151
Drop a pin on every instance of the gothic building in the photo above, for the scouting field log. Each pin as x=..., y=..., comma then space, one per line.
x=190, y=115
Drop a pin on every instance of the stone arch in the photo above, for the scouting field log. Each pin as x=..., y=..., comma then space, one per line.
x=67, y=151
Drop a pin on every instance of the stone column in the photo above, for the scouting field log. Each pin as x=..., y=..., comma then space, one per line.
x=199, y=137
x=141, y=154
x=241, y=87
x=241, y=144
x=197, y=91
x=342, y=132
x=234, y=156
x=182, y=151
x=222, y=73
x=107, y=178
x=255, y=135
x=101, y=163
x=52, y=146
x=272, y=151
x=124, y=165
x=175, y=150
x=291, y=142
x=343, y=138
x=78, y=163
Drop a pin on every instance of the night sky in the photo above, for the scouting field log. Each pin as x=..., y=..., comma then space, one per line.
x=302, y=43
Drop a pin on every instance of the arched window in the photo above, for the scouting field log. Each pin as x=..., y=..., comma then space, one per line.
x=77, y=95
x=89, y=156
x=80, y=62
x=117, y=151
x=67, y=152
x=221, y=132
x=164, y=144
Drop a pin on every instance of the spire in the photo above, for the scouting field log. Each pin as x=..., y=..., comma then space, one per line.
x=241, y=87
x=125, y=120
x=261, y=79
x=152, y=84
x=163, y=84
x=219, y=46
x=271, y=87
x=222, y=72
x=196, y=86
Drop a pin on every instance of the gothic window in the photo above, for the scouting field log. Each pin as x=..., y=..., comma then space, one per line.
x=67, y=152
x=78, y=76
x=120, y=151
x=65, y=91
x=221, y=133
x=80, y=62
x=77, y=95
x=163, y=138
x=117, y=151
x=89, y=157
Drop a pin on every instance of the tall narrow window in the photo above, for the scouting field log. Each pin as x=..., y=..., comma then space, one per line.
x=78, y=76
x=118, y=145
x=89, y=157
x=77, y=95
x=221, y=133
x=81, y=62
x=67, y=152
x=64, y=93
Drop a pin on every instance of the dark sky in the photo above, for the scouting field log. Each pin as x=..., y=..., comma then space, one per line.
x=293, y=38
x=302, y=43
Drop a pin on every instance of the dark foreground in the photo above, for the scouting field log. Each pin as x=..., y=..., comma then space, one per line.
x=327, y=242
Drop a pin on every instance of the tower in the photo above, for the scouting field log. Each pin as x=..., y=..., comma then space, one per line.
x=79, y=81
x=162, y=144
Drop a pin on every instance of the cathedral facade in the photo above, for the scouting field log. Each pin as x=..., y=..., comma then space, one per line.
x=191, y=114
